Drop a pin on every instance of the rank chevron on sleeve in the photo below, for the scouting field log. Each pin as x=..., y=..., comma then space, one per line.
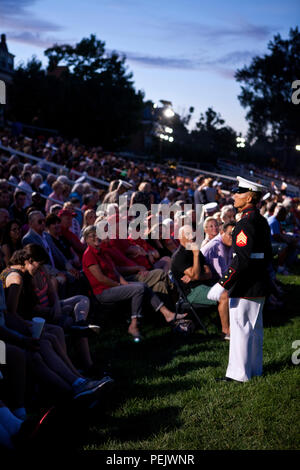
x=241, y=239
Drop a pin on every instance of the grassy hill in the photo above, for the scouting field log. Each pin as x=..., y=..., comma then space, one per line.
x=166, y=396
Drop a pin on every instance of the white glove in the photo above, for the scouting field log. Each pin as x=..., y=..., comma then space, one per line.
x=215, y=292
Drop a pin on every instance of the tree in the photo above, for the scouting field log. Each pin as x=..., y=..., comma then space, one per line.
x=212, y=138
x=85, y=92
x=210, y=121
x=266, y=91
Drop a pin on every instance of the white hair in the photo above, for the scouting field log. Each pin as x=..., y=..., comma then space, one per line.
x=183, y=229
x=35, y=177
x=224, y=209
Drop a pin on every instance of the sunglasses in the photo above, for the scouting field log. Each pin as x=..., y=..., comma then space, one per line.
x=41, y=221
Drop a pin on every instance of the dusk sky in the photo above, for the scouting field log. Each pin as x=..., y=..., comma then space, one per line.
x=185, y=51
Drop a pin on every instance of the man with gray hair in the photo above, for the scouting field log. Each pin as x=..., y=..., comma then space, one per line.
x=193, y=274
x=228, y=213
x=58, y=264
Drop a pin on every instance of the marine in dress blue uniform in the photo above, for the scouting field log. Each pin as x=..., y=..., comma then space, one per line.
x=247, y=282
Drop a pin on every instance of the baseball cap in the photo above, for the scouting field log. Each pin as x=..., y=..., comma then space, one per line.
x=63, y=212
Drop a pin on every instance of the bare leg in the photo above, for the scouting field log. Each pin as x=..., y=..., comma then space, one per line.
x=169, y=316
x=223, y=309
x=133, y=327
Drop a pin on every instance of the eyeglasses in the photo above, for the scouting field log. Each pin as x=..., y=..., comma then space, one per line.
x=41, y=221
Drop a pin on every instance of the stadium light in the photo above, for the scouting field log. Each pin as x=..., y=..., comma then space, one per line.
x=240, y=142
x=168, y=112
x=166, y=137
x=169, y=130
x=297, y=148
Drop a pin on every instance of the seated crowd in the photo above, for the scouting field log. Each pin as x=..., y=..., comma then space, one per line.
x=54, y=265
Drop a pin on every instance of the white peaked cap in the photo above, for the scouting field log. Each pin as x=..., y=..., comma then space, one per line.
x=125, y=184
x=248, y=185
x=211, y=206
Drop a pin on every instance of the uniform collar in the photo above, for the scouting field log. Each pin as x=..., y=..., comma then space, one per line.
x=247, y=210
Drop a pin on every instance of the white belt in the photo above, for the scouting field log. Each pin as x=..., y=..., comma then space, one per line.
x=257, y=255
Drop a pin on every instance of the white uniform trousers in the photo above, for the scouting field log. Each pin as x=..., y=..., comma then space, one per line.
x=246, y=338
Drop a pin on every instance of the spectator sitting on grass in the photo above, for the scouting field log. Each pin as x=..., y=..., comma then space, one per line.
x=47, y=357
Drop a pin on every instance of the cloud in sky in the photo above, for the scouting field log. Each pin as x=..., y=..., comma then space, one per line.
x=15, y=14
x=25, y=27
x=34, y=39
x=220, y=65
x=241, y=30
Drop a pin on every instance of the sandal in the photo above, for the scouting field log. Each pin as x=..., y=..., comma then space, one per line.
x=179, y=316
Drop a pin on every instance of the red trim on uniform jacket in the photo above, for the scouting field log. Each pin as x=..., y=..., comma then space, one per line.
x=233, y=272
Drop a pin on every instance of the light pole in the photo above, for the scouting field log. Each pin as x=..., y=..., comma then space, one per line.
x=163, y=115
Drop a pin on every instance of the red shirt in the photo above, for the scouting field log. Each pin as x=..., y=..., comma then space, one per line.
x=117, y=256
x=123, y=245
x=143, y=243
x=77, y=246
x=92, y=256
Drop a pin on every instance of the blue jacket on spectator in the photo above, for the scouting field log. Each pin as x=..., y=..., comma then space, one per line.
x=57, y=259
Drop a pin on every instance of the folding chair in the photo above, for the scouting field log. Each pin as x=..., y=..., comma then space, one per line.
x=183, y=304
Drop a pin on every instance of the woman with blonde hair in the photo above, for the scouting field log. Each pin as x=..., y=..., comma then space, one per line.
x=89, y=218
x=211, y=229
x=145, y=187
x=113, y=185
x=57, y=195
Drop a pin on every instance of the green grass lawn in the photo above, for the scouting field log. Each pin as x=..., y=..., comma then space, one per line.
x=166, y=397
